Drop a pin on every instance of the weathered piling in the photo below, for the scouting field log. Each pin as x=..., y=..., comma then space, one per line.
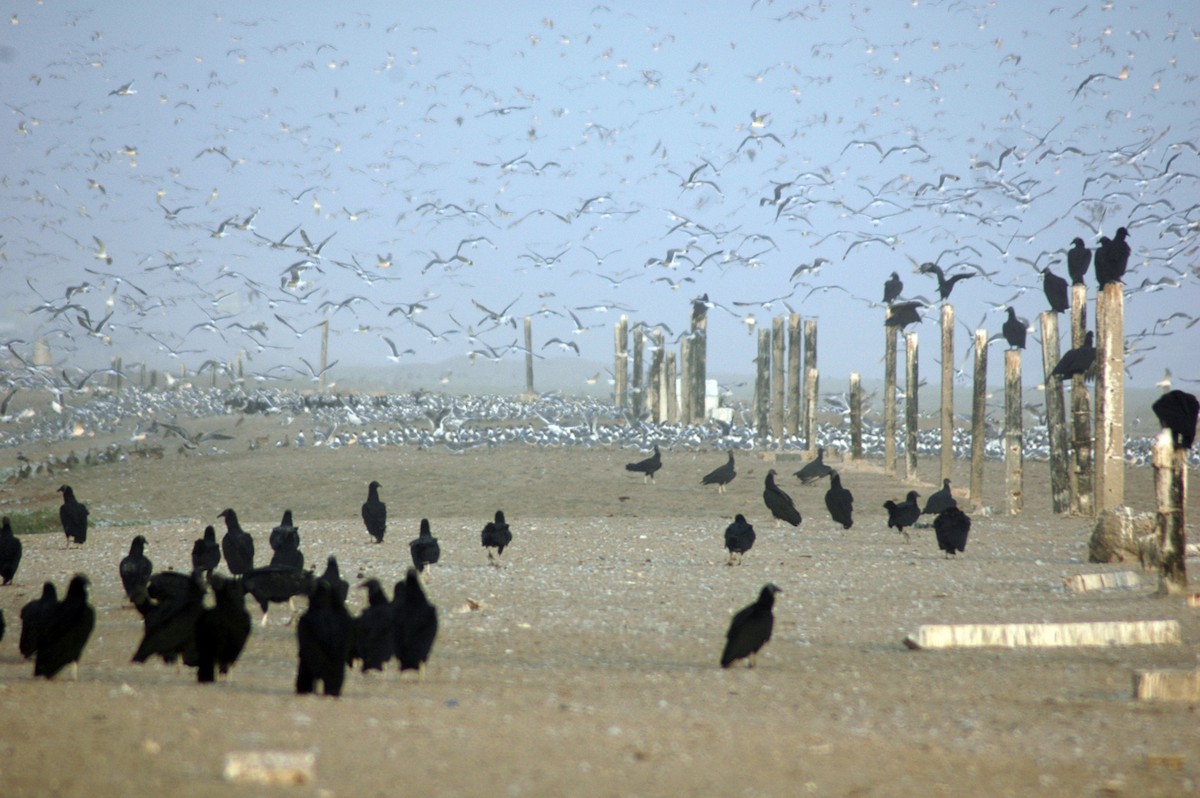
x=324, y=354
x=947, y=443
x=671, y=401
x=685, y=381
x=1056, y=422
x=116, y=373
x=655, y=392
x=1013, y=444
x=1081, y=414
x=793, y=375
x=1170, y=493
x=889, y=396
x=811, y=388
x=699, y=359
x=856, y=447
x=621, y=364
x=142, y=376
x=529, y=356
x=911, y=418
x=637, y=398
x=777, y=377
x=1110, y=396
x=979, y=418
x=762, y=384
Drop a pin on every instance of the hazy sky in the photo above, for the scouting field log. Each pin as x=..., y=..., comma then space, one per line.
x=547, y=158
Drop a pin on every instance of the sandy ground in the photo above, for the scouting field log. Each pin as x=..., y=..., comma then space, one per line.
x=590, y=667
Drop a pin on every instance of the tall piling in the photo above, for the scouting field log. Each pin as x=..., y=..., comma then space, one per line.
x=777, y=377
x=324, y=353
x=1081, y=415
x=762, y=385
x=671, y=402
x=889, y=396
x=699, y=359
x=911, y=409
x=655, y=391
x=685, y=381
x=1110, y=396
x=979, y=418
x=1014, y=455
x=811, y=388
x=856, y=446
x=637, y=397
x=947, y=410
x=1170, y=493
x=529, y=356
x=1056, y=421
x=621, y=362
x=793, y=375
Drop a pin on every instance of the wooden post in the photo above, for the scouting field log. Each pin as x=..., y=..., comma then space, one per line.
x=654, y=400
x=856, y=449
x=117, y=362
x=979, y=418
x=671, y=414
x=889, y=397
x=777, y=377
x=621, y=366
x=637, y=398
x=811, y=388
x=153, y=379
x=793, y=375
x=762, y=383
x=947, y=444
x=142, y=376
x=324, y=352
x=1056, y=421
x=529, y=356
x=213, y=375
x=1081, y=414
x=911, y=409
x=1013, y=444
x=685, y=381
x=1170, y=493
x=1110, y=396
x=700, y=359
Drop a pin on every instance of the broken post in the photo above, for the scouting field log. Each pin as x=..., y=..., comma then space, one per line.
x=1110, y=396
x=685, y=381
x=809, y=422
x=777, y=378
x=947, y=445
x=762, y=384
x=621, y=366
x=856, y=448
x=793, y=375
x=889, y=396
x=1170, y=493
x=979, y=418
x=1013, y=446
x=1056, y=421
x=671, y=402
x=655, y=391
x=637, y=398
x=1081, y=414
x=912, y=392
x=699, y=359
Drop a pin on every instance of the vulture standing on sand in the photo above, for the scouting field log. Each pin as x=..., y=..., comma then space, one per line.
x=739, y=538
x=814, y=470
x=1079, y=258
x=206, y=552
x=496, y=536
x=648, y=466
x=779, y=503
x=74, y=517
x=374, y=643
x=278, y=584
x=323, y=637
x=374, y=513
x=424, y=548
x=284, y=532
x=951, y=527
x=1077, y=361
x=750, y=629
x=136, y=568
x=415, y=624
x=940, y=500
x=65, y=632
x=10, y=552
x=34, y=617
x=1177, y=411
x=839, y=501
x=221, y=630
x=237, y=545
x=333, y=577
x=1056, y=291
x=720, y=476
x=170, y=627
x=1014, y=330
x=904, y=514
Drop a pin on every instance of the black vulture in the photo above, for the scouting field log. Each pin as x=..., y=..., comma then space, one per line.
x=283, y=534
x=237, y=545
x=1079, y=258
x=136, y=567
x=495, y=537
x=333, y=577
x=34, y=617
x=1014, y=330
x=170, y=627
x=839, y=501
x=65, y=632
x=739, y=538
x=750, y=629
x=940, y=500
x=206, y=553
x=10, y=552
x=74, y=517
x=1056, y=291
x=779, y=503
x=374, y=513
x=1077, y=361
x=892, y=288
x=374, y=643
x=814, y=470
x=287, y=554
x=1176, y=410
x=951, y=527
x=945, y=286
x=720, y=476
x=167, y=586
x=424, y=548
x=276, y=583
x=904, y=514
x=904, y=314
x=1112, y=258
x=648, y=466
x=415, y=622
x=323, y=635
x=221, y=630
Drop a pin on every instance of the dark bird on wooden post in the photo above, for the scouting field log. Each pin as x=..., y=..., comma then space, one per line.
x=814, y=470
x=750, y=629
x=374, y=513
x=1014, y=330
x=720, y=476
x=648, y=466
x=940, y=500
x=221, y=630
x=495, y=537
x=1077, y=361
x=1112, y=258
x=1177, y=411
x=206, y=553
x=34, y=617
x=10, y=552
x=951, y=528
x=374, y=642
x=136, y=567
x=945, y=286
x=892, y=288
x=904, y=514
x=1079, y=258
x=66, y=632
x=839, y=501
x=74, y=516
x=323, y=638
x=739, y=538
x=237, y=545
x=779, y=503
x=416, y=624
x=424, y=548
x=904, y=314
x=1056, y=291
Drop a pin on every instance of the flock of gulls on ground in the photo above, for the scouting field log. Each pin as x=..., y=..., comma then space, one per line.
x=209, y=635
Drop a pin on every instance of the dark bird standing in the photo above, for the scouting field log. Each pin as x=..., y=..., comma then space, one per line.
x=951, y=527
x=237, y=545
x=74, y=516
x=323, y=636
x=1014, y=331
x=648, y=466
x=374, y=513
x=1112, y=258
x=136, y=568
x=221, y=630
x=170, y=627
x=940, y=500
x=839, y=501
x=65, y=632
x=1079, y=258
x=10, y=552
x=278, y=584
x=1077, y=361
x=424, y=548
x=495, y=537
x=904, y=314
x=892, y=288
x=904, y=514
x=282, y=534
x=779, y=503
x=286, y=547
x=333, y=578
x=1177, y=411
x=35, y=615
x=739, y=538
x=815, y=469
x=750, y=629
x=206, y=553
x=416, y=624
x=945, y=286
x=720, y=476
x=1056, y=291
x=374, y=643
